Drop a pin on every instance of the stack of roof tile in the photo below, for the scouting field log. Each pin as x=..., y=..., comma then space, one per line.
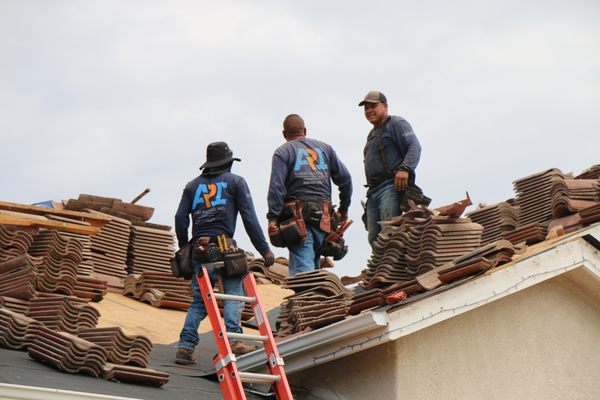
x=67, y=352
x=16, y=330
x=572, y=195
x=90, y=288
x=160, y=289
x=495, y=219
x=534, y=196
x=590, y=214
x=276, y=273
x=86, y=266
x=120, y=348
x=320, y=300
x=592, y=172
x=150, y=250
x=109, y=247
x=418, y=241
x=63, y=314
x=532, y=233
x=60, y=260
x=13, y=242
x=18, y=277
x=13, y=304
x=479, y=260
x=127, y=373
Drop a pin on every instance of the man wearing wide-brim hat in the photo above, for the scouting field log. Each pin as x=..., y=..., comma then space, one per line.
x=213, y=200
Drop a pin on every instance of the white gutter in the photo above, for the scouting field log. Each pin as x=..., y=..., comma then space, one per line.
x=19, y=392
x=372, y=328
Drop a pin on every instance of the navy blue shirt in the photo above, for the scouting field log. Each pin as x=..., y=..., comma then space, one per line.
x=400, y=145
x=303, y=169
x=214, y=203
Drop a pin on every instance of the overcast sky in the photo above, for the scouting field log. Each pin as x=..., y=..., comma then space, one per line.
x=111, y=97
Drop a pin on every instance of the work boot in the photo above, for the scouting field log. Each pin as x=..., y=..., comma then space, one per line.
x=240, y=348
x=185, y=357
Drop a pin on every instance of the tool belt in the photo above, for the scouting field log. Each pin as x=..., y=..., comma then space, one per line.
x=291, y=228
x=221, y=248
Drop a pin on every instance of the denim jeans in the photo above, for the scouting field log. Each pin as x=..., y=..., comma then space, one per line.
x=382, y=205
x=305, y=257
x=188, y=338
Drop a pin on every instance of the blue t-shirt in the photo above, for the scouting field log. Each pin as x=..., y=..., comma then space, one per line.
x=304, y=169
x=214, y=203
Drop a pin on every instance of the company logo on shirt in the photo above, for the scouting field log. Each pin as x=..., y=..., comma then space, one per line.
x=210, y=195
x=313, y=158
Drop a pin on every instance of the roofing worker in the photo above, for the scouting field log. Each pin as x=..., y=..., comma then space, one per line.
x=300, y=192
x=391, y=156
x=214, y=199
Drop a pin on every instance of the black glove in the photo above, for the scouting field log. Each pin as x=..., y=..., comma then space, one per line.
x=269, y=258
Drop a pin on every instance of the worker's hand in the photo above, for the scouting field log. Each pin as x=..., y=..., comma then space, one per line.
x=343, y=216
x=272, y=226
x=401, y=180
x=269, y=258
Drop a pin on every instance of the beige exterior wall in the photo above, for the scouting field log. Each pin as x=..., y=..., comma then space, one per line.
x=539, y=343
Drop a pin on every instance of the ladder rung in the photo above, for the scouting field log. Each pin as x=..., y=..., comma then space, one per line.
x=245, y=299
x=247, y=336
x=252, y=377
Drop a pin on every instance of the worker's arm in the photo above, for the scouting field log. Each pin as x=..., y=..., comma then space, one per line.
x=182, y=217
x=245, y=206
x=342, y=179
x=277, y=189
x=407, y=142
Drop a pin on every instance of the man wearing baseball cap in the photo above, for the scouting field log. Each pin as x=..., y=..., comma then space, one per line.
x=391, y=155
x=213, y=200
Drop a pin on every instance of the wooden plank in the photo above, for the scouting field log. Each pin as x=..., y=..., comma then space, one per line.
x=46, y=223
x=94, y=219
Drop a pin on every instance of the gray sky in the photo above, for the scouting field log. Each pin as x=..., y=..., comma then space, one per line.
x=111, y=97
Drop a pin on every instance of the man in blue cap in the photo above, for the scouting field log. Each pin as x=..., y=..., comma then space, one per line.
x=213, y=200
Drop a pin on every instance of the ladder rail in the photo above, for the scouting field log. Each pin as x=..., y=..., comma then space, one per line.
x=227, y=372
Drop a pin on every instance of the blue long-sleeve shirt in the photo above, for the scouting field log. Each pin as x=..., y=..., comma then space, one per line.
x=304, y=169
x=400, y=145
x=214, y=203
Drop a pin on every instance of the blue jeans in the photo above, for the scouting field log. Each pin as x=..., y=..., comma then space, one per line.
x=382, y=205
x=188, y=338
x=305, y=257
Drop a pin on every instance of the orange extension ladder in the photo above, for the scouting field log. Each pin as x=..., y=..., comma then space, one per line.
x=229, y=377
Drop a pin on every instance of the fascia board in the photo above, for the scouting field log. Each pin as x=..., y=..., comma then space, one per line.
x=40, y=393
x=315, y=347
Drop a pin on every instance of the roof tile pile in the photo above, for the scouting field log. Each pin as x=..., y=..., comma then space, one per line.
x=13, y=304
x=592, y=172
x=109, y=247
x=590, y=214
x=534, y=196
x=67, y=352
x=417, y=242
x=495, y=219
x=572, y=195
x=479, y=260
x=90, y=288
x=276, y=273
x=86, y=266
x=63, y=314
x=18, y=277
x=159, y=289
x=150, y=250
x=13, y=242
x=532, y=233
x=16, y=330
x=120, y=348
x=57, y=273
x=320, y=300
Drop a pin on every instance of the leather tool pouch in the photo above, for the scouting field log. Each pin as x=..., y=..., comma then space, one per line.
x=182, y=265
x=336, y=249
x=202, y=249
x=276, y=239
x=235, y=263
x=317, y=213
x=293, y=230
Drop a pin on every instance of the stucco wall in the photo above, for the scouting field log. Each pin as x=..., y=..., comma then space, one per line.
x=540, y=343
